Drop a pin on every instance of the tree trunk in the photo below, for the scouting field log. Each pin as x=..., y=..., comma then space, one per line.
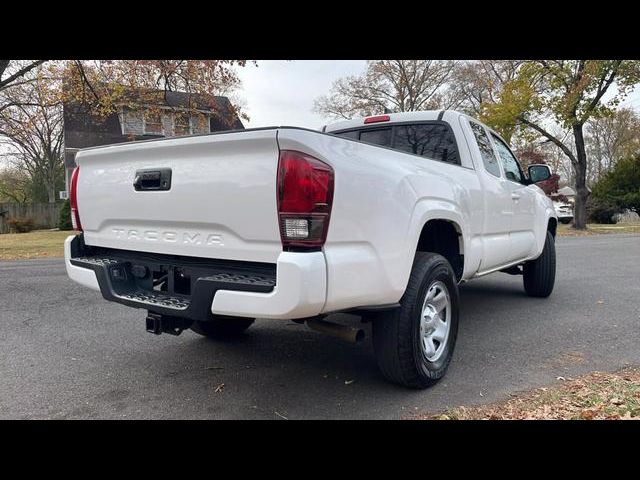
x=580, y=170
x=51, y=192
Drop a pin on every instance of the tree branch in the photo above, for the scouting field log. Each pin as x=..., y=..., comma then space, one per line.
x=602, y=90
x=20, y=73
x=85, y=79
x=550, y=137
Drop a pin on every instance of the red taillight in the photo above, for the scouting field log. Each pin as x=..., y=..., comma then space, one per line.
x=73, y=200
x=305, y=194
x=379, y=118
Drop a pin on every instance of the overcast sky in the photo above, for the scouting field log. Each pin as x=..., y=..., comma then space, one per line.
x=279, y=92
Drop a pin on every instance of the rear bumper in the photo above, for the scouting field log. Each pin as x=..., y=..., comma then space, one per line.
x=83, y=276
x=299, y=291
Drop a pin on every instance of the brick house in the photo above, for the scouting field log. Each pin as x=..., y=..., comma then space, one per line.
x=170, y=114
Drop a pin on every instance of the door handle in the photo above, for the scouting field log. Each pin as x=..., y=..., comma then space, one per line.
x=515, y=197
x=150, y=180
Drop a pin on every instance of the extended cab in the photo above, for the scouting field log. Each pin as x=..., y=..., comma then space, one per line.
x=382, y=216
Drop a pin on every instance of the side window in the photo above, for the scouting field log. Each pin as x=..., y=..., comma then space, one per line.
x=380, y=137
x=431, y=140
x=510, y=165
x=488, y=157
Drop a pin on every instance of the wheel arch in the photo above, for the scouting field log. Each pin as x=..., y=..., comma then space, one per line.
x=445, y=236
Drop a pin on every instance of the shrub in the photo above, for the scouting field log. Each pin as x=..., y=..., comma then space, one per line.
x=20, y=224
x=601, y=210
x=621, y=186
x=64, y=223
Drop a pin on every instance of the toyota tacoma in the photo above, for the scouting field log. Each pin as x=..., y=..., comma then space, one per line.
x=381, y=216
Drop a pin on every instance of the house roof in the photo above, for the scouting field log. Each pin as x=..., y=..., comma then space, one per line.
x=82, y=129
x=204, y=102
x=218, y=105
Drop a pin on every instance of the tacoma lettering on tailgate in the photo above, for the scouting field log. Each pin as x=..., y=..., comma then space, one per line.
x=188, y=238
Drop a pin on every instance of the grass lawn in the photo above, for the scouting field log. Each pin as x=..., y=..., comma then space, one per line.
x=595, y=396
x=36, y=244
x=596, y=229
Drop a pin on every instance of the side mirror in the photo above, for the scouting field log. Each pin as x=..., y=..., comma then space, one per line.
x=539, y=173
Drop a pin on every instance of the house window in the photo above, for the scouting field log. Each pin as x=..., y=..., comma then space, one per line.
x=182, y=124
x=131, y=122
x=153, y=123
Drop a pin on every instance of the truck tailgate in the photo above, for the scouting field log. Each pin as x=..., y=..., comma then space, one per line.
x=221, y=202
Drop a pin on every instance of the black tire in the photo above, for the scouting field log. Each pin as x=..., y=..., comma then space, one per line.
x=566, y=220
x=222, y=328
x=396, y=335
x=539, y=275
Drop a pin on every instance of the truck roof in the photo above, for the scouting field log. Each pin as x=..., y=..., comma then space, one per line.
x=392, y=118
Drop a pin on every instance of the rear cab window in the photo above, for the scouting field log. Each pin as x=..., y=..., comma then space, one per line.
x=379, y=136
x=434, y=140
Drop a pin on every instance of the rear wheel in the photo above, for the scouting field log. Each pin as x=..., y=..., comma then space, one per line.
x=539, y=275
x=414, y=344
x=222, y=327
x=566, y=220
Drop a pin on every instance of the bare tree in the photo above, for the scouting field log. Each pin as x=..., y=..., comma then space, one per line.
x=14, y=73
x=389, y=85
x=610, y=139
x=477, y=82
x=15, y=186
x=31, y=132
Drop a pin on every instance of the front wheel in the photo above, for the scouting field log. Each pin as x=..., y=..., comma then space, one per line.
x=222, y=328
x=414, y=344
x=539, y=275
x=566, y=220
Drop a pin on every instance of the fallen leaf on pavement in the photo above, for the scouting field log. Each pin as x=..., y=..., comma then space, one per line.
x=593, y=396
x=587, y=414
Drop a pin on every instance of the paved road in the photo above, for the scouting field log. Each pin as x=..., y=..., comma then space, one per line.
x=66, y=353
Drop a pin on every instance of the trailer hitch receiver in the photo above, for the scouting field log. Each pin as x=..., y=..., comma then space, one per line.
x=158, y=324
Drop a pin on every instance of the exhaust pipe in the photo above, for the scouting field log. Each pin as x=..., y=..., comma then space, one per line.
x=348, y=334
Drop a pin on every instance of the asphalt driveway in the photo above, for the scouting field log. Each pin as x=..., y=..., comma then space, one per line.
x=67, y=353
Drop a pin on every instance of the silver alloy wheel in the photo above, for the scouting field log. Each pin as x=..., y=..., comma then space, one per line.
x=435, y=321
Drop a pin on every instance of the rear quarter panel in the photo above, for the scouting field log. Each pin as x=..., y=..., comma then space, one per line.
x=382, y=200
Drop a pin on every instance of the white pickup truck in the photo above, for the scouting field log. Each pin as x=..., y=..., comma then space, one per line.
x=381, y=216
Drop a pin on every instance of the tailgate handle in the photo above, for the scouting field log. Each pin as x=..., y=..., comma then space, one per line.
x=152, y=180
